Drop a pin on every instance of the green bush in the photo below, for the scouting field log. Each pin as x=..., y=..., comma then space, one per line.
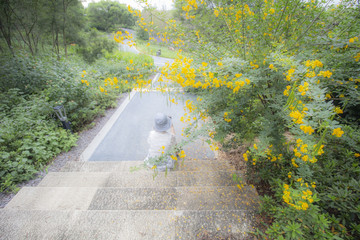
x=29, y=139
x=94, y=46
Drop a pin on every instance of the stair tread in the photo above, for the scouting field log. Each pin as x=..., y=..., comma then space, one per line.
x=172, y=198
x=138, y=179
x=140, y=224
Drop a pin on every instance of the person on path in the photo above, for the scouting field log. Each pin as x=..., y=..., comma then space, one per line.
x=161, y=139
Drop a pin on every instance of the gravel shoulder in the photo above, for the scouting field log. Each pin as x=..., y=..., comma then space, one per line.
x=85, y=138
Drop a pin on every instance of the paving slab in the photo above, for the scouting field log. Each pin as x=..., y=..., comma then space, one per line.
x=59, y=198
x=31, y=225
x=230, y=225
x=132, y=225
x=75, y=179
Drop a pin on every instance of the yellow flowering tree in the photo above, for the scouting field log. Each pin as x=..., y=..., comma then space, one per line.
x=266, y=73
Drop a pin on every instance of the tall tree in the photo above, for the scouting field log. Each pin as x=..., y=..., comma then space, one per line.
x=109, y=15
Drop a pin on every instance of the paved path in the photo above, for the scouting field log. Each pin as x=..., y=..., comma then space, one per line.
x=127, y=138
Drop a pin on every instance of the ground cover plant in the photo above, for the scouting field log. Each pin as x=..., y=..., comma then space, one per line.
x=280, y=77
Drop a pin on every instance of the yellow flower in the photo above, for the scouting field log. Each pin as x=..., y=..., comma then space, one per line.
x=245, y=156
x=255, y=146
x=338, y=110
x=338, y=132
x=220, y=64
x=237, y=75
x=216, y=12
x=325, y=74
x=351, y=40
x=357, y=154
x=271, y=66
x=131, y=61
x=296, y=117
x=101, y=89
x=272, y=11
x=307, y=129
x=204, y=64
x=304, y=205
x=182, y=154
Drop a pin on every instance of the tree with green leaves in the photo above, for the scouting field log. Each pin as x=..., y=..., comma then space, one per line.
x=27, y=24
x=109, y=15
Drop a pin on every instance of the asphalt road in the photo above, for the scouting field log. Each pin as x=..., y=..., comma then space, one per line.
x=127, y=139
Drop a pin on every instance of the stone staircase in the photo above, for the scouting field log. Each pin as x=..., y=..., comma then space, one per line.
x=105, y=200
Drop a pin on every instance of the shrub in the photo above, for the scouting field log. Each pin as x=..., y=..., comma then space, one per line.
x=94, y=46
x=29, y=139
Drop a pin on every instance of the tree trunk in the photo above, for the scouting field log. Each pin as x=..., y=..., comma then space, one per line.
x=5, y=27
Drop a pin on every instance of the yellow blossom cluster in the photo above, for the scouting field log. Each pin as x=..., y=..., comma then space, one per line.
x=303, y=88
x=307, y=129
x=352, y=40
x=357, y=57
x=338, y=110
x=254, y=65
x=272, y=157
x=182, y=154
x=112, y=82
x=182, y=72
x=246, y=155
x=313, y=63
x=310, y=74
x=290, y=74
x=286, y=91
x=226, y=117
x=301, y=151
x=338, y=132
x=190, y=5
x=297, y=116
x=325, y=74
x=297, y=199
x=83, y=80
x=120, y=37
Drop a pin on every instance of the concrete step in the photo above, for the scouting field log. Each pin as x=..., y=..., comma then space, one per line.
x=176, y=198
x=137, y=179
x=127, y=166
x=107, y=225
